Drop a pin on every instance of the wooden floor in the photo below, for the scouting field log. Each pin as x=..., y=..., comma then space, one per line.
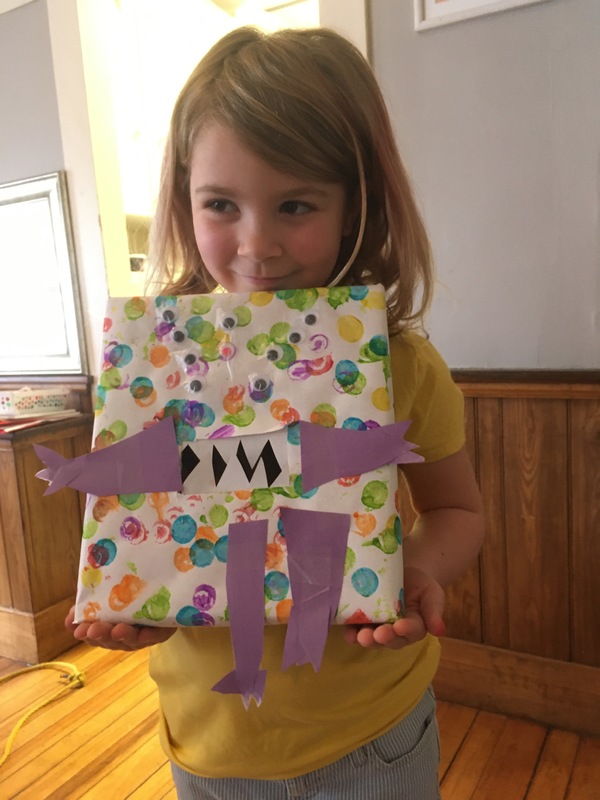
x=100, y=741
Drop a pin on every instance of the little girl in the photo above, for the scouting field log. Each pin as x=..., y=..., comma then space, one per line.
x=281, y=172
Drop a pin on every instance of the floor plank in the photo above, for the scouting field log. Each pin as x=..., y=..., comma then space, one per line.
x=585, y=780
x=465, y=771
x=454, y=723
x=68, y=716
x=141, y=760
x=155, y=787
x=101, y=741
x=511, y=764
x=554, y=768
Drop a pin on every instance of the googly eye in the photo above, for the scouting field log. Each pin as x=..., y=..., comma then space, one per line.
x=295, y=336
x=274, y=353
x=258, y=383
x=179, y=335
x=311, y=318
x=227, y=321
x=260, y=388
x=227, y=350
x=169, y=315
x=196, y=386
x=190, y=359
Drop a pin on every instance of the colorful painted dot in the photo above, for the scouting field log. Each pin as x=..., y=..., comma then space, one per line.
x=277, y=585
x=133, y=530
x=120, y=355
x=141, y=388
x=184, y=529
x=350, y=328
x=346, y=372
x=204, y=597
x=359, y=292
x=202, y=553
x=381, y=399
x=354, y=424
x=218, y=515
x=89, y=529
x=365, y=581
x=379, y=345
x=135, y=308
x=132, y=501
x=220, y=548
x=374, y=495
x=190, y=616
x=101, y=553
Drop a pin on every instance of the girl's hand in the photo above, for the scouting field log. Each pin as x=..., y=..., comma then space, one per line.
x=424, y=605
x=445, y=539
x=116, y=637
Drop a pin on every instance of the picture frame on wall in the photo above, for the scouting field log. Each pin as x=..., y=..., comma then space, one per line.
x=433, y=13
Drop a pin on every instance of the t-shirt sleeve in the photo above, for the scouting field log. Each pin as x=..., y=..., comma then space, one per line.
x=425, y=393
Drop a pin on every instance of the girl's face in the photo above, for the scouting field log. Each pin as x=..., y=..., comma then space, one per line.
x=257, y=228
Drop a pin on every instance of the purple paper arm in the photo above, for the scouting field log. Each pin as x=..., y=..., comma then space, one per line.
x=316, y=550
x=145, y=462
x=245, y=584
x=331, y=453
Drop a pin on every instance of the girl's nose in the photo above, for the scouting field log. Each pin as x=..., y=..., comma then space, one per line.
x=258, y=241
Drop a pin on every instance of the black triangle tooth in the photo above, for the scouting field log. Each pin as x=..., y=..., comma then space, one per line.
x=219, y=465
x=189, y=462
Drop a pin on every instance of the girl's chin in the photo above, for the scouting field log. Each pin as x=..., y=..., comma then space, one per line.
x=250, y=283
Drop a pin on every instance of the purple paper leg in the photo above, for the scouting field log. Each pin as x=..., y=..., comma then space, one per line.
x=245, y=582
x=316, y=549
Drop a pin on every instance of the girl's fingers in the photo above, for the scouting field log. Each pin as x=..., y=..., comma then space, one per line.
x=116, y=637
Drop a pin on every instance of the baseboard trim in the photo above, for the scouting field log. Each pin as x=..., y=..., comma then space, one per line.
x=34, y=638
x=556, y=693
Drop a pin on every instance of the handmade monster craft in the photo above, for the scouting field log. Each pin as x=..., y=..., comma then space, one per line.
x=243, y=469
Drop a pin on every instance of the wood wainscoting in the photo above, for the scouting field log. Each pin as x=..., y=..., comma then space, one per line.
x=524, y=622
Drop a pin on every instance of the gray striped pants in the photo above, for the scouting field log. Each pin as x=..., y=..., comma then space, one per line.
x=400, y=765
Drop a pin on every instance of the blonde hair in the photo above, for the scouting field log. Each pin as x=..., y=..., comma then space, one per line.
x=308, y=103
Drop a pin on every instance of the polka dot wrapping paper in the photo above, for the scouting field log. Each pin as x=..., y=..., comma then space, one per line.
x=239, y=377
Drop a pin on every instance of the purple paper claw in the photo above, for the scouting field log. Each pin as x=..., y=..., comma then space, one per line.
x=244, y=582
x=332, y=453
x=316, y=548
x=231, y=684
x=145, y=462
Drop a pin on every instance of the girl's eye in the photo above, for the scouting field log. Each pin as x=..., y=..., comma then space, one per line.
x=295, y=207
x=220, y=206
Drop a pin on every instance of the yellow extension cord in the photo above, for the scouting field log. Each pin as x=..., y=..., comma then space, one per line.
x=75, y=680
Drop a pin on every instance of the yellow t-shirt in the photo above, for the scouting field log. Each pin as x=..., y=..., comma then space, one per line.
x=308, y=719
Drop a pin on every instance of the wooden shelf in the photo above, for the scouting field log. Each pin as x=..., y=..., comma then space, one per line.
x=40, y=539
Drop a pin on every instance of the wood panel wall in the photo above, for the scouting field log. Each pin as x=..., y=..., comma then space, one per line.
x=40, y=540
x=533, y=598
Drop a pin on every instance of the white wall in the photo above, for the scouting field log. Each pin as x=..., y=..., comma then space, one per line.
x=30, y=142
x=67, y=60
x=44, y=128
x=498, y=120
